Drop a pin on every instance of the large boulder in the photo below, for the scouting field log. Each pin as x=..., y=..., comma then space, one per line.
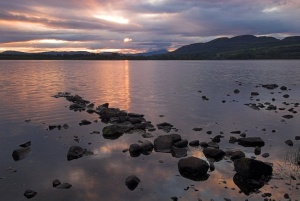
x=251, y=142
x=164, y=143
x=252, y=169
x=193, y=168
x=216, y=154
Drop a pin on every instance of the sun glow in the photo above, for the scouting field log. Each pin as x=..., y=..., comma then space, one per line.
x=115, y=19
x=50, y=41
x=127, y=40
x=271, y=10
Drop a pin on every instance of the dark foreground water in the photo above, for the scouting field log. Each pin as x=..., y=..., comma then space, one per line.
x=153, y=88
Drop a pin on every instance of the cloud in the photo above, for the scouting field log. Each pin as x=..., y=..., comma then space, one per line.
x=164, y=23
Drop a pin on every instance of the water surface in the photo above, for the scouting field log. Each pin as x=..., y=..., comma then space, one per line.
x=153, y=88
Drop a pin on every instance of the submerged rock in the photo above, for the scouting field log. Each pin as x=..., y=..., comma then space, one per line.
x=115, y=131
x=76, y=152
x=193, y=168
x=252, y=169
x=19, y=154
x=251, y=142
x=132, y=182
x=165, y=127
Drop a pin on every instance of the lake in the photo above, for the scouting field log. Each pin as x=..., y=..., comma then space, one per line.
x=164, y=91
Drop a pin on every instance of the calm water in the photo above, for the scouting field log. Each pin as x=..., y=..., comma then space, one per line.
x=153, y=88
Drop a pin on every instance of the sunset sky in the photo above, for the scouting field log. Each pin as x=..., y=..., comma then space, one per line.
x=138, y=25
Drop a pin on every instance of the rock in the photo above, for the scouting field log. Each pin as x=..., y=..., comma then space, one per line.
x=165, y=127
x=194, y=143
x=64, y=186
x=252, y=169
x=174, y=198
x=217, y=138
x=257, y=150
x=19, y=154
x=286, y=196
x=95, y=132
x=216, y=154
x=283, y=88
x=107, y=113
x=236, y=91
x=165, y=142
x=265, y=155
x=30, y=194
x=134, y=115
x=286, y=96
x=51, y=127
x=297, y=137
x=233, y=140
x=237, y=155
x=251, y=142
x=115, y=131
x=288, y=116
x=147, y=147
x=65, y=126
x=213, y=145
x=270, y=86
x=289, y=143
x=209, y=132
x=76, y=152
x=205, y=98
x=193, y=168
x=26, y=144
x=181, y=144
x=135, y=150
x=84, y=122
x=254, y=93
x=236, y=132
x=203, y=144
x=248, y=186
x=147, y=135
x=55, y=182
x=132, y=182
x=77, y=106
x=197, y=129
x=178, y=152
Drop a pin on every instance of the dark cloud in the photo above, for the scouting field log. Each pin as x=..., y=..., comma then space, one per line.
x=151, y=23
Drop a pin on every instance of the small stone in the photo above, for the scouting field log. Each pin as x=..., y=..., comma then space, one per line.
x=209, y=132
x=64, y=186
x=289, y=143
x=283, y=88
x=254, y=93
x=265, y=155
x=286, y=196
x=26, y=144
x=132, y=182
x=194, y=143
x=286, y=96
x=84, y=122
x=257, y=150
x=65, y=126
x=174, y=198
x=197, y=129
x=297, y=137
x=236, y=91
x=30, y=194
x=55, y=182
x=288, y=116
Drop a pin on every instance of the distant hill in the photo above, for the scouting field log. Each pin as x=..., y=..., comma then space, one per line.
x=238, y=47
x=243, y=47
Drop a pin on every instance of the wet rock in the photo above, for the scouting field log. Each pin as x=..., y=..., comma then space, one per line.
x=19, y=154
x=135, y=120
x=51, y=127
x=252, y=169
x=135, y=150
x=147, y=135
x=107, y=113
x=26, y=144
x=141, y=126
x=30, y=194
x=209, y=132
x=165, y=127
x=181, y=144
x=134, y=115
x=197, y=129
x=251, y=142
x=248, y=186
x=288, y=116
x=178, y=152
x=213, y=145
x=77, y=106
x=165, y=142
x=286, y=96
x=193, y=168
x=84, y=122
x=236, y=91
x=77, y=99
x=270, y=86
x=283, y=88
x=265, y=155
x=297, y=137
x=132, y=182
x=95, y=132
x=147, y=147
x=55, y=182
x=174, y=198
x=65, y=126
x=194, y=143
x=257, y=150
x=233, y=140
x=205, y=98
x=289, y=143
x=64, y=186
x=203, y=144
x=217, y=138
x=237, y=155
x=76, y=152
x=286, y=196
x=115, y=131
x=236, y=132
x=254, y=93
x=216, y=154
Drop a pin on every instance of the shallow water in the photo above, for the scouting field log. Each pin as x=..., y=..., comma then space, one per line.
x=153, y=88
